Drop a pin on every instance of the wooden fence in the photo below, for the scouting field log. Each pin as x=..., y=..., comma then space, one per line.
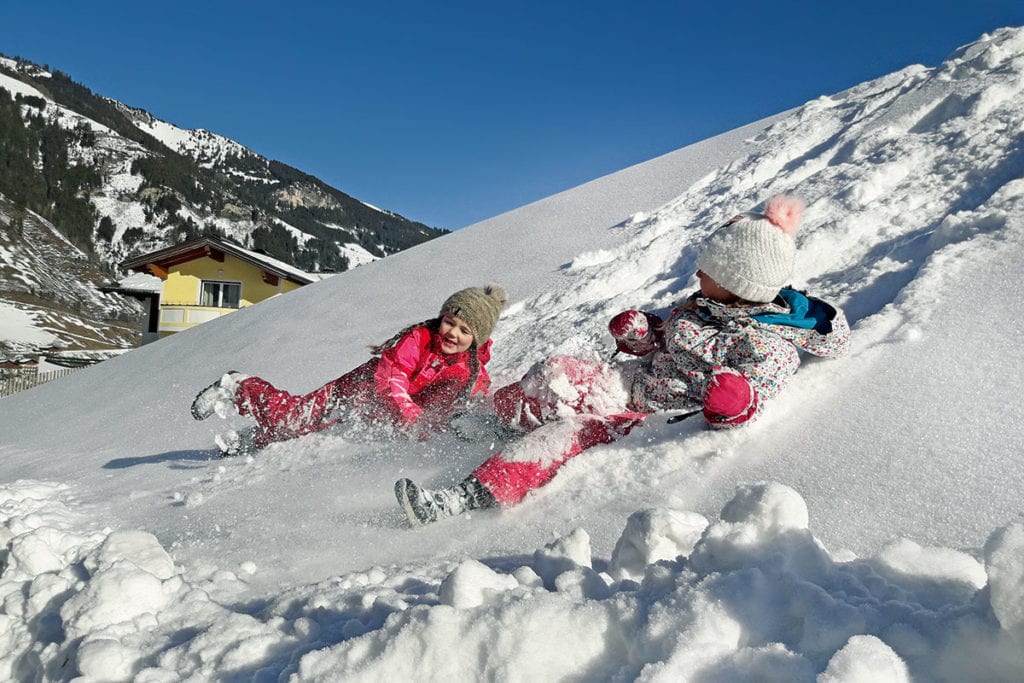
x=15, y=383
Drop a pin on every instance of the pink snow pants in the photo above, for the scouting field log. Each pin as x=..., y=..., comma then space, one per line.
x=280, y=415
x=530, y=405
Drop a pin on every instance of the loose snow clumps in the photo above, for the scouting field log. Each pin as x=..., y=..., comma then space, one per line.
x=753, y=595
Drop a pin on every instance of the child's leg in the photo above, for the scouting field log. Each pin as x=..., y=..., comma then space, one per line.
x=509, y=476
x=517, y=410
x=280, y=415
x=559, y=387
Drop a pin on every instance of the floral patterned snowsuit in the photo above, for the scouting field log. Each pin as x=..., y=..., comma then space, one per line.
x=761, y=341
x=570, y=404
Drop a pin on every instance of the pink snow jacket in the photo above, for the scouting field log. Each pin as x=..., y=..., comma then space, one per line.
x=762, y=342
x=413, y=377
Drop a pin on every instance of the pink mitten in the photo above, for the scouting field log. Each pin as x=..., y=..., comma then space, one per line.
x=729, y=399
x=636, y=332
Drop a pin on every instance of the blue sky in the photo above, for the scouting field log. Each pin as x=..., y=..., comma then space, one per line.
x=453, y=112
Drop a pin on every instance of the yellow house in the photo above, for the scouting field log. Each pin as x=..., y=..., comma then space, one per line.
x=210, y=277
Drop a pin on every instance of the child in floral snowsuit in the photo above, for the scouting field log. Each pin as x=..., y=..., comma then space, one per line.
x=707, y=344
x=724, y=352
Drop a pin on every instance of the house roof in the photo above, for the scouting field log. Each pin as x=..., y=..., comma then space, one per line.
x=215, y=248
x=136, y=283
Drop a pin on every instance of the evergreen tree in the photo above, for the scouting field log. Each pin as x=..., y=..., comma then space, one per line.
x=105, y=230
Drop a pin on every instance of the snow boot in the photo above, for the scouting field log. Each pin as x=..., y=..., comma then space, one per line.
x=235, y=443
x=217, y=397
x=423, y=506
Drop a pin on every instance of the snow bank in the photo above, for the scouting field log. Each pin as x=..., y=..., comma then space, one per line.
x=753, y=596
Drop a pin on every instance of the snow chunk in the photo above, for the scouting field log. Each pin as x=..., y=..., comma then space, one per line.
x=1004, y=563
x=138, y=548
x=565, y=566
x=527, y=577
x=936, y=575
x=761, y=520
x=473, y=584
x=106, y=659
x=865, y=659
x=653, y=535
x=130, y=575
x=37, y=552
x=115, y=596
x=581, y=584
x=35, y=526
x=770, y=508
x=561, y=555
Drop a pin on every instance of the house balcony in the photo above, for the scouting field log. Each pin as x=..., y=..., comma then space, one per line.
x=178, y=317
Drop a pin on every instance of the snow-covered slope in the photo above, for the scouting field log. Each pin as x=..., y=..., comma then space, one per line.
x=772, y=553
x=49, y=292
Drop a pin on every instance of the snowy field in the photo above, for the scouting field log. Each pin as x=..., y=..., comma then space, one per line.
x=868, y=528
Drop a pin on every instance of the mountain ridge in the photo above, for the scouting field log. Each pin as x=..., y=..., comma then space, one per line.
x=117, y=181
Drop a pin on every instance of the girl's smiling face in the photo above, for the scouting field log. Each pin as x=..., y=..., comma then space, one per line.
x=455, y=334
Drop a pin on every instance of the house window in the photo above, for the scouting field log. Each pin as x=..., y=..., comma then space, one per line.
x=220, y=294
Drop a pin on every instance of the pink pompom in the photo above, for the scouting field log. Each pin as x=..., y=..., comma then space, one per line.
x=784, y=212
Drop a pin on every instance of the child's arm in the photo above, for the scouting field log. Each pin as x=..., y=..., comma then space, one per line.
x=483, y=383
x=763, y=361
x=394, y=374
x=637, y=333
x=483, y=380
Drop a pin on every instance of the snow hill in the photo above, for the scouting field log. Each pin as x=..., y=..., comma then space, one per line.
x=867, y=528
x=50, y=293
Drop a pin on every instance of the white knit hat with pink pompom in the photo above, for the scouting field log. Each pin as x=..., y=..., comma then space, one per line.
x=752, y=255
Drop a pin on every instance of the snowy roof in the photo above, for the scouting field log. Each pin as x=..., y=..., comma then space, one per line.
x=140, y=282
x=200, y=247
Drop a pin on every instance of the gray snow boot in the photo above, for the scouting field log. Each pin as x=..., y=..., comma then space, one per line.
x=217, y=397
x=423, y=506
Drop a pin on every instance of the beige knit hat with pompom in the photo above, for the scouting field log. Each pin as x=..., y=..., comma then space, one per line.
x=479, y=307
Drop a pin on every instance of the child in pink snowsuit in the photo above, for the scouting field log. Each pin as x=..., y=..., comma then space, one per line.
x=416, y=380
x=723, y=352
